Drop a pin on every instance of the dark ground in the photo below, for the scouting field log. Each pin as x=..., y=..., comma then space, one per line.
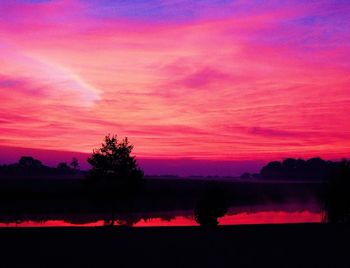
x=297, y=245
x=42, y=195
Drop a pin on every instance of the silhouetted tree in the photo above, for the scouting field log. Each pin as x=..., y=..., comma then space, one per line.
x=28, y=162
x=289, y=167
x=256, y=176
x=298, y=169
x=74, y=164
x=245, y=176
x=63, y=168
x=113, y=163
x=29, y=166
x=114, y=173
x=338, y=196
x=211, y=206
x=272, y=170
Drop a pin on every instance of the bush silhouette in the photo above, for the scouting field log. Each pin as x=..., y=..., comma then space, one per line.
x=211, y=206
x=74, y=164
x=28, y=162
x=338, y=196
x=113, y=165
x=63, y=168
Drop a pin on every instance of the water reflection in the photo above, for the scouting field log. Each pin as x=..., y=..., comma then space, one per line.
x=235, y=216
x=268, y=217
x=51, y=223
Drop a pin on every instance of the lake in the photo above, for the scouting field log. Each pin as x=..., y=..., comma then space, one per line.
x=273, y=213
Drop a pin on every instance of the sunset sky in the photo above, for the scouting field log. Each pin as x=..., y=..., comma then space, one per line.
x=206, y=80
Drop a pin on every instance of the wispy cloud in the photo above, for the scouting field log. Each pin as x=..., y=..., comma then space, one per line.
x=204, y=79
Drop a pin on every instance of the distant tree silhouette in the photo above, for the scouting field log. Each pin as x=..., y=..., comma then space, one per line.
x=256, y=176
x=113, y=163
x=246, y=175
x=272, y=170
x=338, y=196
x=74, y=164
x=63, y=168
x=28, y=162
x=298, y=169
x=29, y=166
x=211, y=206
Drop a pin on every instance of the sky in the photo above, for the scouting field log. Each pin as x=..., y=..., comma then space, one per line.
x=206, y=81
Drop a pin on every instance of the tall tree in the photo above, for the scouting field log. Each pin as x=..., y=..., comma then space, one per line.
x=113, y=163
x=114, y=172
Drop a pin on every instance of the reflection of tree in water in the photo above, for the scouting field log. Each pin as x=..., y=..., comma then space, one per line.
x=211, y=206
x=125, y=220
x=168, y=218
x=121, y=219
x=143, y=217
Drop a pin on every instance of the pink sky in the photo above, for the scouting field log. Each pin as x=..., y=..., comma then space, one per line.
x=217, y=80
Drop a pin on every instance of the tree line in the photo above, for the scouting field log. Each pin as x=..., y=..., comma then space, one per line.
x=115, y=173
x=291, y=169
x=29, y=166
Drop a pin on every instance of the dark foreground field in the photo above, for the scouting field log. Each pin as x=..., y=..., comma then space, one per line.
x=300, y=245
x=44, y=199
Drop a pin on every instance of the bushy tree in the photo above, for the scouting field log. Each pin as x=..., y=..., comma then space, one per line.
x=211, y=206
x=298, y=169
x=74, y=164
x=28, y=162
x=113, y=165
x=63, y=168
x=338, y=195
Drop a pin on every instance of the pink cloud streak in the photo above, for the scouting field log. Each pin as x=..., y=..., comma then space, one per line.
x=240, y=87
